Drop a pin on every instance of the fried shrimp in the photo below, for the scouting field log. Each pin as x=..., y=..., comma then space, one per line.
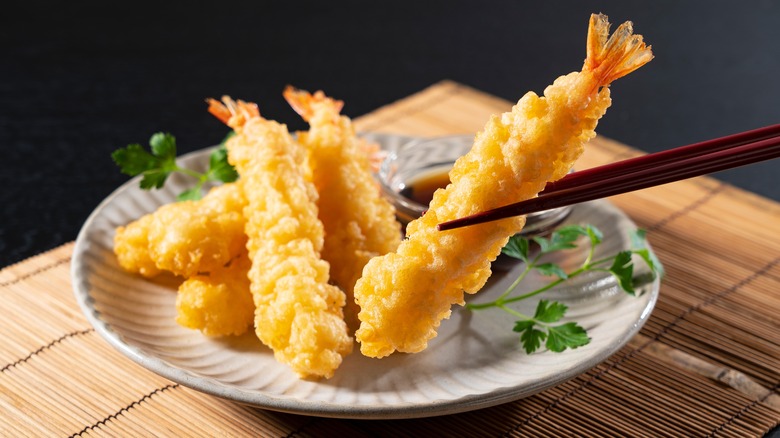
x=404, y=295
x=219, y=303
x=297, y=313
x=359, y=223
x=131, y=246
x=185, y=238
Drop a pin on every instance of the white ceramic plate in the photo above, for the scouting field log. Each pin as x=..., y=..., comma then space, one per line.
x=475, y=362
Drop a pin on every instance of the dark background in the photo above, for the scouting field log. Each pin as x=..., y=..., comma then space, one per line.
x=80, y=80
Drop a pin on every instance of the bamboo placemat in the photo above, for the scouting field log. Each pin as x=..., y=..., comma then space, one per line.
x=706, y=363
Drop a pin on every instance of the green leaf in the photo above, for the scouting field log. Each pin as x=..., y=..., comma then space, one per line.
x=543, y=243
x=532, y=339
x=639, y=243
x=549, y=312
x=569, y=335
x=521, y=326
x=551, y=269
x=164, y=148
x=163, y=145
x=652, y=262
x=529, y=336
x=155, y=167
x=219, y=167
x=134, y=160
x=225, y=173
x=154, y=179
x=595, y=235
x=517, y=247
x=192, y=194
x=638, y=239
x=623, y=269
x=218, y=157
x=570, y=233
x=562, y=238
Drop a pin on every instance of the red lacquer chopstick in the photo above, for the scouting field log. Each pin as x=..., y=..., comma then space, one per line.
x=658, y=158
x=642, y=172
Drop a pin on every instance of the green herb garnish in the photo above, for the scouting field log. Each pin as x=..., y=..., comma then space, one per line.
x=541, y=328
x=155, y=167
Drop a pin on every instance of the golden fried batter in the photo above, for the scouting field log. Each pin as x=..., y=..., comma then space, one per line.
x=404, y=295
x=298, y=314
x=131, y=246
x=359, y=223
x=219, y=303
x=199, y=236
x=187, y=237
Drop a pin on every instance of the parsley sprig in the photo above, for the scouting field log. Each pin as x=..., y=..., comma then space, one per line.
x=542, y=327
x=155, y=167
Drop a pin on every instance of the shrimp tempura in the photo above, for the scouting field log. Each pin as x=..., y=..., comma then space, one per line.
x=297, y=313
x=218, y=303
x=187, y=237
x=359, y=223
x=131, y=246
x=404, y=295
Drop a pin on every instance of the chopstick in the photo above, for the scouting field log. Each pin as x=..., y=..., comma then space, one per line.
x=658, y=158
x=640, y=173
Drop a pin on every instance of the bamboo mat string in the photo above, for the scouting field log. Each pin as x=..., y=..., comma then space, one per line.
x=35, y=272
x=742, y=411
x=46, y=347
x=717, y=296
x=124, y=409
x=711, y=193
x=745, y=409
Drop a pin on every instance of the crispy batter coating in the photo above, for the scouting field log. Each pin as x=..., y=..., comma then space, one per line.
x=218, y=303
x=404, y=295
x=131, y=246
x=199, y=236
x=185, y=238
x=359, y=223
x=298, y=314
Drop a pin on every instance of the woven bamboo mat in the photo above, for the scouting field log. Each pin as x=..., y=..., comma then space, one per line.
x=707, y=362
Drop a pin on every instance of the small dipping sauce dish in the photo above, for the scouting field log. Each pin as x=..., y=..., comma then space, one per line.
x=413, y=170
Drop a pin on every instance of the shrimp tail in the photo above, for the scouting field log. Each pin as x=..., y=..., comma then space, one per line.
x=232, y=113
x=304, y=103
x=612, y=57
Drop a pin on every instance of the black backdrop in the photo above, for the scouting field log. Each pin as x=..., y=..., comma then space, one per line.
x=80, y=80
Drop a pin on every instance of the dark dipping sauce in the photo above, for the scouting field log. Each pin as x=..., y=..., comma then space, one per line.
x=421, y=188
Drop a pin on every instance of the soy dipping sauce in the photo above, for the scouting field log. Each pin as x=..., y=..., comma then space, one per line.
x=421, y=188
